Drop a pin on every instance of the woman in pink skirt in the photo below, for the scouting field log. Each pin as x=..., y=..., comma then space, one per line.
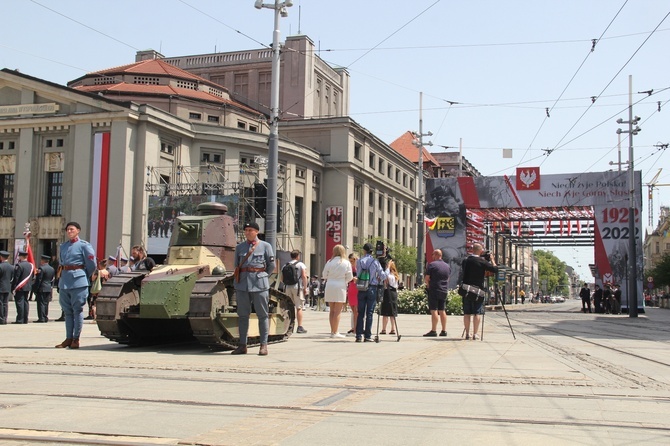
x=352, y=295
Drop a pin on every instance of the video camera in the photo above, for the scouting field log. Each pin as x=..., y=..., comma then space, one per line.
x=382, y=251
x=486, y=255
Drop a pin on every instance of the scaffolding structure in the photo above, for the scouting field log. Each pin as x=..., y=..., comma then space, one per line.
x=243, y=188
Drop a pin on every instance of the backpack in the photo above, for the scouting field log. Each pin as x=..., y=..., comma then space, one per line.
x=363, y=279
x=290, y=273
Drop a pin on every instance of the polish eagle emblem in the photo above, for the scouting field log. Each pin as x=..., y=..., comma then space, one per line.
x=528, y=178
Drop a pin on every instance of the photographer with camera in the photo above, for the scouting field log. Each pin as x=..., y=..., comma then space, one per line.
x=471, y=289
x=436, y=279
x=367, y=299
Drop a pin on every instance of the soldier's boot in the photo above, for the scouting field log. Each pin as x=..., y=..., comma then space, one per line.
x=240, y=350
x=66, y=343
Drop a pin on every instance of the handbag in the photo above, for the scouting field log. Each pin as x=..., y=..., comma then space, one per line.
x=97, y=285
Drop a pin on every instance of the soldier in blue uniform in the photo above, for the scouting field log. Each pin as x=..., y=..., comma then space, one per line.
x=254, y=262
x=77, y=264
x=44, y=278
x=21, y=283
x=6, y=275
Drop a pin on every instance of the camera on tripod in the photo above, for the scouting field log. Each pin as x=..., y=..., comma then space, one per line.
x=487, y=255
x=382, y=251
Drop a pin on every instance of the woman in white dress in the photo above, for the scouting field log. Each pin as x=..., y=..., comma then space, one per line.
x=337, y=274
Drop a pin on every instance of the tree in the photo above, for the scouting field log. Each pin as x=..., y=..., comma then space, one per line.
x=551, y=269
x=661, y=272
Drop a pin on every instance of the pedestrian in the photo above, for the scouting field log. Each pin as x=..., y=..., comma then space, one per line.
x=616, y=299
x=44, y=286
x=389, y=309
x=522, y=294
x=141, y=261
x=77, y=260
x=597, y=299
x=437, y=280
x=111, y=266
x=352, y=294
x=102, y=272
x=21, y=284
x=294, y=278
x=337, y=273
x=471, y=289
x=123, y=265
x=585, y=294
x=367, y=298
x=314, y=291
x=607, y=299
x=6, y=275
x=254, y=262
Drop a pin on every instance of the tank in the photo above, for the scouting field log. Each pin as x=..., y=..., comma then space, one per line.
x=191, y=295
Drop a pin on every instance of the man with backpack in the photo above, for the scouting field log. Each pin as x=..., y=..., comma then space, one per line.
x=294, y=278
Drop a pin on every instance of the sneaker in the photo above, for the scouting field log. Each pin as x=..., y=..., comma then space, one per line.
x=359, y=340
x=368, y=340
x=443, y=333
x=301, y=330
x=430, y=334
x=337, y=336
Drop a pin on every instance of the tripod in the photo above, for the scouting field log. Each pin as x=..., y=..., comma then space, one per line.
x=507, y=316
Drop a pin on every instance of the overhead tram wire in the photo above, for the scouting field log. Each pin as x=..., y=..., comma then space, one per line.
x=549, y=110
x=558, y=144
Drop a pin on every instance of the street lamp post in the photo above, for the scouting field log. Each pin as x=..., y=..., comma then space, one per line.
x=279, y=8
x=632, y=257
x=421, y=224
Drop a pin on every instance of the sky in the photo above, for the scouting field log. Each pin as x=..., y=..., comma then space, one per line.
x=547, y=79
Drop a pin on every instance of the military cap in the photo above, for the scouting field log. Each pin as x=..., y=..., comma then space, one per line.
x=111, y=258
x=23, y=253
x=252, y=225
x=4, y=254
x=45, y=257
x=73, y=223
x=123, y=259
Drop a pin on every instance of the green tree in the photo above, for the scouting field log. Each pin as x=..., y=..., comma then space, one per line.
x=661, y=272
x=552, y=270
x=403, y=256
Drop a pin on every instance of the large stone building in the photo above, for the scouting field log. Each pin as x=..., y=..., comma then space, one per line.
x=121, y=149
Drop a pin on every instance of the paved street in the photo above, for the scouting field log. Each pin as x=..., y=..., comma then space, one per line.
x=568, y=378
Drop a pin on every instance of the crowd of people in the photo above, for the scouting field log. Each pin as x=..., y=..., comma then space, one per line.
x=604, y=301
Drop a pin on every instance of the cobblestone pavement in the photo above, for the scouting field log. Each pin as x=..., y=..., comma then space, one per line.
x=567, y=378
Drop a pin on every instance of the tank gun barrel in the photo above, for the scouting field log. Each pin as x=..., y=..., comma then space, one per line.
x=185, y=228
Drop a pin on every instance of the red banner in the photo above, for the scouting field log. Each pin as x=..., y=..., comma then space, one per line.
x=333, y=228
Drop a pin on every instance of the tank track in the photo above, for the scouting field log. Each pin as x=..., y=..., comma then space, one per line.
x=118, y=295
x=213, y=303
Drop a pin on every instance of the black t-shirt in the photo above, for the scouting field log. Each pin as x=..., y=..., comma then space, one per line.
x=474, y=269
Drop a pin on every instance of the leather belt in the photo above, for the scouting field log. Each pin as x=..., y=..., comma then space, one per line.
x=252, y=270
x=72, y=267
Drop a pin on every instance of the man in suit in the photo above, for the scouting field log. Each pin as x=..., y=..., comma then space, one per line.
x=6, y=275
x=254, y=262
x=43, y=285
x=77, y=262
x=21, y=283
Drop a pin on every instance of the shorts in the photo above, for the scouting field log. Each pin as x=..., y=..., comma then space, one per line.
x=437, y=300
x=473, y=304
x=296, y=295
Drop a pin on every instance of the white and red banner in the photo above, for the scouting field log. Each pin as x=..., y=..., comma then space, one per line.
x=99, y=195
x=333, y=228
x=607, y=193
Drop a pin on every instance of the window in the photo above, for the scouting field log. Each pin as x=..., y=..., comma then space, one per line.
x=7, y=195
x=316, y=179
x=389, y=206
x=356, y=216
x=211, y=118
x=404, y=180
x=253, y=128
x=389, y=171
x=195, y=116
x=241, y=84
x=297, y=230
x=317, y=98
x=241, y=125
x=167, y=148
x=357, y=192
x=357, y=151
x=55, y=194
x=381, y=203
x=379, y=227
x=49, y=143
x=300, y=172
x=264, y=84
x=397, y=176
x=59, y=142
x=381, y=166
x=411, y=184
x=371, y=161
x=371, y=198
x=12, y=145
x=397, y=211
x=315, y=219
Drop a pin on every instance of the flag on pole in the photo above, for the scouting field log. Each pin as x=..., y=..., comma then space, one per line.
x=30, y=259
